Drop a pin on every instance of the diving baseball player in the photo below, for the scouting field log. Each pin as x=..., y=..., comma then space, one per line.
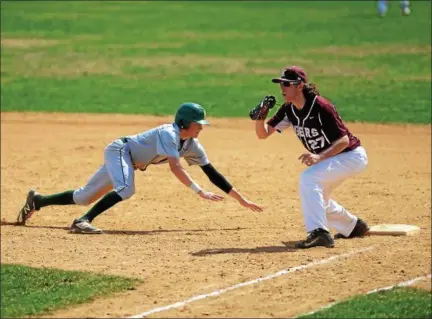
x=114, y=180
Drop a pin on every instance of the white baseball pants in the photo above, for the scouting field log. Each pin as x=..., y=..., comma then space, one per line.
x=316, y=185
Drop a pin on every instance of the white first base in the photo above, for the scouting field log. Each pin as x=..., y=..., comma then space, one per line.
x=394, y=230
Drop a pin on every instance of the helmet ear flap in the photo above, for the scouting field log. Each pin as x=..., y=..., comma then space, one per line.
x=184, y=124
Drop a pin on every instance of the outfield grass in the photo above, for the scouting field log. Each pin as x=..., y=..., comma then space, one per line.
x=33, y=291
x=148, y=57
x=395, y=303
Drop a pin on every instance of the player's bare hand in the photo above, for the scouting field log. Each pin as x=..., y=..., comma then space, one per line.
x=309, y=159
x=251, y=205
x=210, y=196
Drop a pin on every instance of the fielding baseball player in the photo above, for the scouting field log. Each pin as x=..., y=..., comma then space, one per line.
x=333, y=154
x=115, y=179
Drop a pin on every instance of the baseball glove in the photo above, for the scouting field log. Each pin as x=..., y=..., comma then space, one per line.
x=261, y=111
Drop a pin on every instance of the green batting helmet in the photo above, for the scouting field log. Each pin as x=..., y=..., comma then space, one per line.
x=190, y=112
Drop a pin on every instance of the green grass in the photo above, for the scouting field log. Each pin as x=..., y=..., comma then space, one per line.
x=395, y=303
x=33, y=291
x=148, y=57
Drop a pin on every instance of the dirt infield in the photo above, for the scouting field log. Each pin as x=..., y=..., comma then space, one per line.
x=182, y=246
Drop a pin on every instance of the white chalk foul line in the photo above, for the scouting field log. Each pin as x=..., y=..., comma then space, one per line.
x=401, y=284
x=251, y=282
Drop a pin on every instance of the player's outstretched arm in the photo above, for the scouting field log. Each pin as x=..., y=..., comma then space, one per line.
x=220, y=181
x=244, y=201
x=181, y=174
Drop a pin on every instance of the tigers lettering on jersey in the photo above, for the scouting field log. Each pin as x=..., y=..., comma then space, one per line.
x=305, y=131
x=317, y=124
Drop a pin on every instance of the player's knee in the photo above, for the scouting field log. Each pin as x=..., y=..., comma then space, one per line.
x=307, y=177
x=82, y=197
x=126, y=192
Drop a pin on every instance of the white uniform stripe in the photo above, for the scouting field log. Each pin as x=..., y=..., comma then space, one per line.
x=298, y=124
x=310, y=110
x=293, y=112
x=302, y=125
x=325, y=137
x=306, y=143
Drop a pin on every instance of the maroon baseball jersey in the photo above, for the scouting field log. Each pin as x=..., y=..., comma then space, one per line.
x=317, y=125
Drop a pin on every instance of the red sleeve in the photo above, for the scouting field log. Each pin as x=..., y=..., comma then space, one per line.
x=277, y=117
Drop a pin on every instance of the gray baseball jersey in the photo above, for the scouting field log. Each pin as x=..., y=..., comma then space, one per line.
x=155, y=145
x=123, y=156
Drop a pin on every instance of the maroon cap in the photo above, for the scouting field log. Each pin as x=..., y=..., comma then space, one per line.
x=292, y=74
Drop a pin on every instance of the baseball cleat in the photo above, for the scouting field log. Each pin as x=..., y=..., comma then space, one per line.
x=360, y=229
x=318, y=237
x=28, y=209
x=82, y=226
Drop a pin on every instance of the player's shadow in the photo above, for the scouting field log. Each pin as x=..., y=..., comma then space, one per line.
x=288, y=246
x=132, y=232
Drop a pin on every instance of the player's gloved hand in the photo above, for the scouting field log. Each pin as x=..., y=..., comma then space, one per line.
x=251, y=205
x=260, y=111
x=210, y=196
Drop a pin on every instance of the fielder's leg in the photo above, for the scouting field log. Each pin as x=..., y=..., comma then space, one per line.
x=314, y=197
x=338, y=217
x=343, y=221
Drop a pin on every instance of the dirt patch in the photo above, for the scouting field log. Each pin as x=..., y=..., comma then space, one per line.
x=226, y=65
x=217, y=35
x=421, y=78
x=27, y=43
x=73, y=64
x=340, y=70
x=148, y=45
x=78, y=64
x=181, y=246
x=365, y=50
